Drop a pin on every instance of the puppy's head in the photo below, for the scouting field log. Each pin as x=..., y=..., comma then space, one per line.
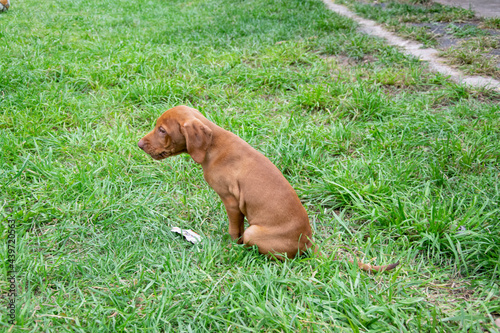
x=178, y=130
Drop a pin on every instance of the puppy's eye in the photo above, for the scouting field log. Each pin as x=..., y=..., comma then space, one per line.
x=162, y=130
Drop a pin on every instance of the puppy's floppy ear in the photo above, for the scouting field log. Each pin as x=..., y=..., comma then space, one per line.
x=198, y=138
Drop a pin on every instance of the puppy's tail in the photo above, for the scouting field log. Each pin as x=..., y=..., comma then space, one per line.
x=363, y=266
x=373, y=269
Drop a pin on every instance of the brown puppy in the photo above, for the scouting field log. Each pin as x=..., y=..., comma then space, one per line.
x=246, y=181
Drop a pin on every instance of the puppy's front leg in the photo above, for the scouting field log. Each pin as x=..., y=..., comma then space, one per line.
x=236, y=220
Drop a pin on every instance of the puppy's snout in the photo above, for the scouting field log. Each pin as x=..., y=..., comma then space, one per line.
x=141, y=144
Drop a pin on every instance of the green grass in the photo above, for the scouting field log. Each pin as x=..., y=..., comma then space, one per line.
x=395, y=12
x=466, y=31
x=492, y=23
x=468, y=55
x=391, y=162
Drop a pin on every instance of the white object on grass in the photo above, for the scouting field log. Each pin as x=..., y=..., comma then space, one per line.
x=189, y=234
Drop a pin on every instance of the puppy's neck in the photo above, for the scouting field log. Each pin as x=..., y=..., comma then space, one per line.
x=222, y=145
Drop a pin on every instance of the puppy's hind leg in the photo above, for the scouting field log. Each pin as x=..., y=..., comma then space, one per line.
x=269, y=244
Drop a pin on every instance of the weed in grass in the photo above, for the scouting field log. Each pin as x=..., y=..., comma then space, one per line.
x=316, y=97
x=469, y=54
x=420, y=34
x=491, y=23
x=466, y=31
x=422, y=2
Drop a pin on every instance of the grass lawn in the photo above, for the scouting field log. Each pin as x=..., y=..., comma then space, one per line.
x=391, y=162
